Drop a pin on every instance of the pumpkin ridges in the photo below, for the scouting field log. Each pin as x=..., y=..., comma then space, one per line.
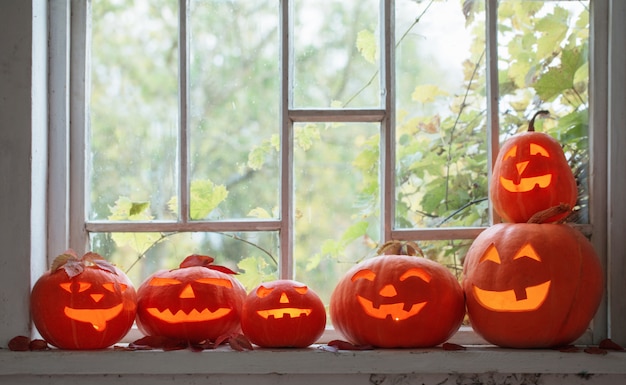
x=436, y=321
x=570, y=304
x=172, y=303
x=70, y=317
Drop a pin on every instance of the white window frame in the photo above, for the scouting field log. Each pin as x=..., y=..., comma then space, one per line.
x=25, y=244
x=79, y=227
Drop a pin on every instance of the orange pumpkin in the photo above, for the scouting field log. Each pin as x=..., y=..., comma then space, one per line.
x=198, y=301
x=283, y=313
x=531, y=174
x=83, y=303
x=530, y=285
x=397, y=301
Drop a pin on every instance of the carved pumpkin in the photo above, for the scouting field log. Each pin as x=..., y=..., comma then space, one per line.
x=397, y=301
x=530, y=285
x=283, y=313
x=83, y=303
x=531, y=174
x=196, y=302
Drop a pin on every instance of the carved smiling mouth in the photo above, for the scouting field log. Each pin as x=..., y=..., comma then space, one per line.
x=292, y=312
x=507, y=301
x=96, y=317
x=193, y=316
x=526, y=184
x=394, y=311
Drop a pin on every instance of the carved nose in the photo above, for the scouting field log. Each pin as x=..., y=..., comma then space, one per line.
x=283, y=298
x=388, y=291
x=97, y=297
x=187, y=292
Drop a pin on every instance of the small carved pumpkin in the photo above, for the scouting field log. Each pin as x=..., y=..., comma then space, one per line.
x=196, y=302
x=83, y=303
x=531, y=174
x=397, y=301
x=283, y=313
x=530, y=285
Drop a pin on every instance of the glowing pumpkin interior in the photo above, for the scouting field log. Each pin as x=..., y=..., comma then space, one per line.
x=97, y=317
x=397, y=311
x=188, y=293
x=513, y=300
x=285, y=310
x=524, y=184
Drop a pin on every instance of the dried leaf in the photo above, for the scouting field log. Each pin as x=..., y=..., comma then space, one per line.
x=38, y=344
x=62, y=259
x=344, y=345
x=19, y=344
x=73, y=268
x=608, y=344
x=451, y=346
x=105, y=265
x=595, y=350
x=197, y=260
x=240, y=342
x=223, y=269
x=204, y=261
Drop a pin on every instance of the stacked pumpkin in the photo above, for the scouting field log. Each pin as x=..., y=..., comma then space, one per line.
x=532, y=282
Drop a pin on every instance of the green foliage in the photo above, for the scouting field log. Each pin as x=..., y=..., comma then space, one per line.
x=441, y=141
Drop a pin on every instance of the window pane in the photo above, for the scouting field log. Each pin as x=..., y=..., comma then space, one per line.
x=441, y=157
x=133, y=109
x=336, y=53
x=234, y=110
x=337, y=209
x=544, y=65
x=253, y=255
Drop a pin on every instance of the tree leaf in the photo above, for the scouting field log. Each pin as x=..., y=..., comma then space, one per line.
x=205, y=196
x=137, y=208
x=366, y=44
x=427, y=93
x=557, y=79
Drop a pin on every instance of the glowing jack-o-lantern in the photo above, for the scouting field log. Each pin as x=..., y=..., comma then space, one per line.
x=196, y=302
x=531, y=285
x=531, y=174
x=397, y=301
x=283, y=313
x=83, y=303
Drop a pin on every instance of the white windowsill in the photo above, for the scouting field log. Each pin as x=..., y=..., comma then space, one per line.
x=313, y=360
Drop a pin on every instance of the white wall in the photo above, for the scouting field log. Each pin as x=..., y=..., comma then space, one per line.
x=22, y=84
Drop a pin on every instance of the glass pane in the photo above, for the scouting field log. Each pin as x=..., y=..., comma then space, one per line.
x=234, y=110
x=441, y=157
x=544, y=65
x=253, y=255
x=133, y=110
x=336, y=53
x=337, y=209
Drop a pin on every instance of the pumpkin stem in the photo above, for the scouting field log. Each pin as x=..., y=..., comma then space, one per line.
x=395, y=247
x=544, y=215
x=531, y=123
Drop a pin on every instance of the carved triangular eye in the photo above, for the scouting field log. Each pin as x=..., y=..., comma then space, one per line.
x=263, y=291
x=491, y=255
x=365, y=274
x=528, y=252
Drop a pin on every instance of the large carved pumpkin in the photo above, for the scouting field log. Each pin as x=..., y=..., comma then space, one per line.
x=530, y=285
x=283, y=313
x=530, y=175
x=83, y=303
x=196, y=302
x=397, y=301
